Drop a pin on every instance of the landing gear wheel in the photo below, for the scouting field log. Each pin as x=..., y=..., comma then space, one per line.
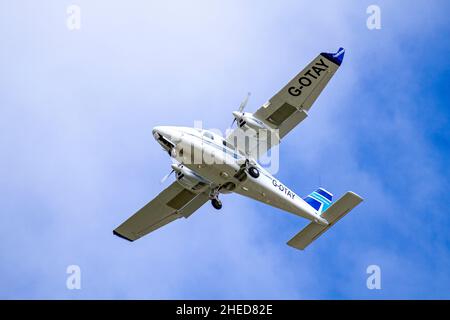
x=216, y=203
x=253, y=172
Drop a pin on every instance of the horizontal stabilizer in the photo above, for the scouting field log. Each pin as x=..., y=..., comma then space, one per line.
x=313, y=230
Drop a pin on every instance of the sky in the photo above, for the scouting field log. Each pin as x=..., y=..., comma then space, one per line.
x=77, y=156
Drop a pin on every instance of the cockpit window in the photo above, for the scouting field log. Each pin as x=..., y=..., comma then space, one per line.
x=208, y=135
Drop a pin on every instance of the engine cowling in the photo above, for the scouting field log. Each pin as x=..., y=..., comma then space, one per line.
x=246, y=119
x=189, y=179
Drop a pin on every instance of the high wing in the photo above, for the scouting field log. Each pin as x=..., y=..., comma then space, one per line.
x=290, y=106
x=172, y=203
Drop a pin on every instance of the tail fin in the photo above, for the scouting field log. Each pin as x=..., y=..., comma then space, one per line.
x=320, y=200
x=314, y=230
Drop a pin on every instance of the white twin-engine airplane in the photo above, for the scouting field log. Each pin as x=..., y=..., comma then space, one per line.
x=235, y=167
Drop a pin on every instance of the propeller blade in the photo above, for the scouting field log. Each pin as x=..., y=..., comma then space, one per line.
x=241, y=107
x=166, y=176
x=244, y=102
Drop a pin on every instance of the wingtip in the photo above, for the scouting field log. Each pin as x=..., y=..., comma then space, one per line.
x=354, y=194
x=291, y=244
x=121, y=236
x=337, y=57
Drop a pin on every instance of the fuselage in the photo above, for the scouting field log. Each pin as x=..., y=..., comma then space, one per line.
x=207, y=158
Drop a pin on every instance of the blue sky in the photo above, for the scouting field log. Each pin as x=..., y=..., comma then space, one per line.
x=77, y=109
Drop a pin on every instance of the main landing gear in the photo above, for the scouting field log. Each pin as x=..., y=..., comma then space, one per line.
x=216, y=203
x=252, y=171
x=214, y=196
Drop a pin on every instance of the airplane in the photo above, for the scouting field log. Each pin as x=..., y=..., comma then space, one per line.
x=235, y=167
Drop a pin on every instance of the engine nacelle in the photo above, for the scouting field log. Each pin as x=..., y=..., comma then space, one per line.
x=189, y=179
x=247, y=119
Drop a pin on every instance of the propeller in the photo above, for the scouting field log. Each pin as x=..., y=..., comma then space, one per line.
x=166, y=176
x=244, y=102
x=242, y=106
x=174, y=163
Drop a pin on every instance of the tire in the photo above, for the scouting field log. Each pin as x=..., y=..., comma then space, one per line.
x=217, y=204
x=253, y=172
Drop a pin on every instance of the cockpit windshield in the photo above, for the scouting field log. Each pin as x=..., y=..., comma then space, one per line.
x=208, y=135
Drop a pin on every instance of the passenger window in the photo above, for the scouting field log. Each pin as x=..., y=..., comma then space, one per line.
x=227, y=144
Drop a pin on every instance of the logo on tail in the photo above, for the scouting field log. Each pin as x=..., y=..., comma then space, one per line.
x=320, y=200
